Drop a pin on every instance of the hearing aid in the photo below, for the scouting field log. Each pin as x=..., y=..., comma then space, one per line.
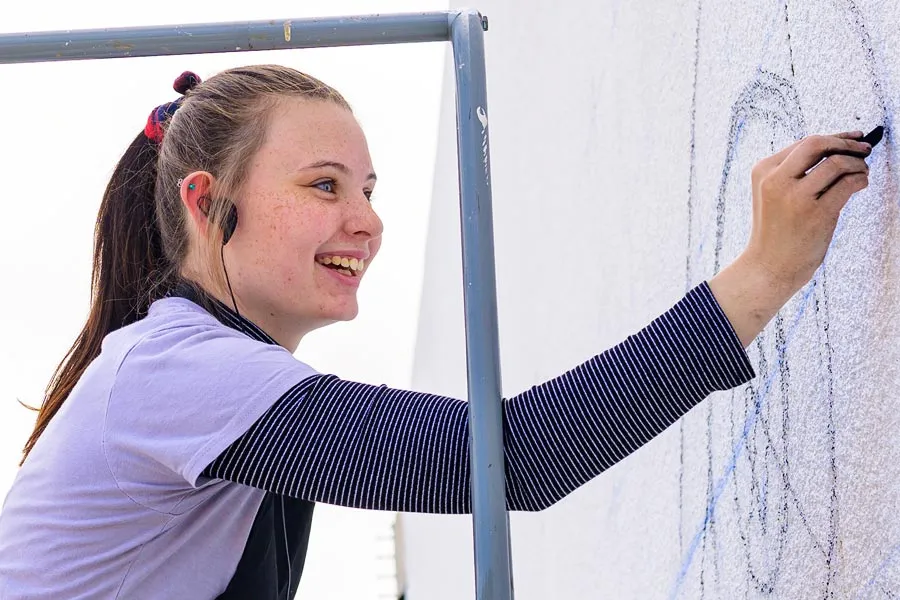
x=230, y=222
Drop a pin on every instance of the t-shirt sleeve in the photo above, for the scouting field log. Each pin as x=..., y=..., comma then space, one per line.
x=181, y=396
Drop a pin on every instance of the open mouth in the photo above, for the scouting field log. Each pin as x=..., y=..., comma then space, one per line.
x=351, y=267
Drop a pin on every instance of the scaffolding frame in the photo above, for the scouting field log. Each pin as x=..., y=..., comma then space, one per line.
x=464, y=29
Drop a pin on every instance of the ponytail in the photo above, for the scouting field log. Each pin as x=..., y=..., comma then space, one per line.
x=129, y=270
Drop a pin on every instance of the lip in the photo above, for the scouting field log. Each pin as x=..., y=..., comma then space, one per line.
x=348, y=280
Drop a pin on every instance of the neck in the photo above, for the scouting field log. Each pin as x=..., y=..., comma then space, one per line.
x=284, y=332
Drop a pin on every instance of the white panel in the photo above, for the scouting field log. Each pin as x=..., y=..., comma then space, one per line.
x=622, y=138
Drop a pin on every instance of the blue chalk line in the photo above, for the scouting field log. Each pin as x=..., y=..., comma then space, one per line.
x=738, y=448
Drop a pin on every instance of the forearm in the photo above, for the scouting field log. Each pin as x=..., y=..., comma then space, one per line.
x=750, y=295
x=563, y=433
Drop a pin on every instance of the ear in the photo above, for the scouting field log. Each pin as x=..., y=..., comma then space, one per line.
x=195, y=193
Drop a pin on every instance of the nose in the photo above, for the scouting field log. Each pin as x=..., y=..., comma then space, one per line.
x=362, y=219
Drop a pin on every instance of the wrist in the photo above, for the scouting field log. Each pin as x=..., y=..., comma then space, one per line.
x=750, y=293
x=778, y=283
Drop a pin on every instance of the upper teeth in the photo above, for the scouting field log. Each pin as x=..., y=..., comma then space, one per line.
x=343, y=261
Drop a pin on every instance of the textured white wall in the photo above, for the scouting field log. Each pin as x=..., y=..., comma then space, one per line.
x=622, y=136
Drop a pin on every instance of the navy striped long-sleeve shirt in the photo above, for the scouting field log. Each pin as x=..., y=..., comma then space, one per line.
x=366, y=446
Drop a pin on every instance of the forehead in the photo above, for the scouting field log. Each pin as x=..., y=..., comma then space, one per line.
x=303, y=131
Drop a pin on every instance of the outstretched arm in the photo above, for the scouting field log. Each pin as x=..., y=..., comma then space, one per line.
x=374, y=447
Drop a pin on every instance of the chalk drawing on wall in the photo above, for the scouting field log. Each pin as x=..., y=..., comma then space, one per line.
x=755, y=506
x=885, y=581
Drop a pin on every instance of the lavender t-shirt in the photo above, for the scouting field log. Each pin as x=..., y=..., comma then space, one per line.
x=110, y=503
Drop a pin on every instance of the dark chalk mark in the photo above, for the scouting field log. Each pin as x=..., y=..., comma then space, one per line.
x=790, y=45
x=692, y=174
x=822, y=321
x=690, y=242
x=770, y=101
x=764, y=531
x=862, y=32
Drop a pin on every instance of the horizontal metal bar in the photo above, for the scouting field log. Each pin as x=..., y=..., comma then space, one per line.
x=204, y=38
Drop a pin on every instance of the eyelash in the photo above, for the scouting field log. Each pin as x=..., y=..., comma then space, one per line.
x=333, y=184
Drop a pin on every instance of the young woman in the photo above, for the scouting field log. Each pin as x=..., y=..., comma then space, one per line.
x=181, y=446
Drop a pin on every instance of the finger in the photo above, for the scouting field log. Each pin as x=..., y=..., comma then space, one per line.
x=813, y=149
x=778, y=158
x=839, y=193
x=829, y=171
x=849, y=135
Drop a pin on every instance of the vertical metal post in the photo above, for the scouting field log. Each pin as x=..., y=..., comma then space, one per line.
x=493, y=571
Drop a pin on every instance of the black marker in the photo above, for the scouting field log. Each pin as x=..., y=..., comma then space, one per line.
x=873, y=137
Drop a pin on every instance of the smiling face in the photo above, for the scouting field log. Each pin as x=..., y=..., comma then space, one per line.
x=306, y=230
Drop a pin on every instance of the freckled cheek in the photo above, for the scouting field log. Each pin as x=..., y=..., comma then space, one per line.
x=285, y=247
x=272, y=258
x=280, y=231
x=281, y=222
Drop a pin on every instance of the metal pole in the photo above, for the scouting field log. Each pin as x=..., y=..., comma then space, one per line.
x=243, y=36
x=493, y=570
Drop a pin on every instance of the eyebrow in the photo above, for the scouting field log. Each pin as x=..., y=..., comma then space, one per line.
x=336, y=165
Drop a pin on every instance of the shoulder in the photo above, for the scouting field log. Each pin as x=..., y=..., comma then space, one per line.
x=188, y=385
x=184, y=360
x=182, y=339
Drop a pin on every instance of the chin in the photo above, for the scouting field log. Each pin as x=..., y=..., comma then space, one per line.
x=342, y=313
x=348, y=315
x=325, y=320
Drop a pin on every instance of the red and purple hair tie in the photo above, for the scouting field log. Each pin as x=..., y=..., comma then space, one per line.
x=154, y=128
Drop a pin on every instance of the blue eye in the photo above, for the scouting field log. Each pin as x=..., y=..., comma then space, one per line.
x=326, y=186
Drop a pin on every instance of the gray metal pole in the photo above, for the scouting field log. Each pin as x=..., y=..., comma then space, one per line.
x=205, y=38
x=493, y=570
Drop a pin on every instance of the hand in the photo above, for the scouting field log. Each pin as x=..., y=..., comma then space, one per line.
x=796, y=207
x=795, y=211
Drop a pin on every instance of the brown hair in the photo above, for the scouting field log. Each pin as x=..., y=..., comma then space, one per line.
x=141, y=237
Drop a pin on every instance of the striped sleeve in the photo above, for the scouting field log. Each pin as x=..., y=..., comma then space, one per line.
x=374, y=447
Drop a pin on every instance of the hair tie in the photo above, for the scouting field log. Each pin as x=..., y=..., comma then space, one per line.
x=154, y=127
